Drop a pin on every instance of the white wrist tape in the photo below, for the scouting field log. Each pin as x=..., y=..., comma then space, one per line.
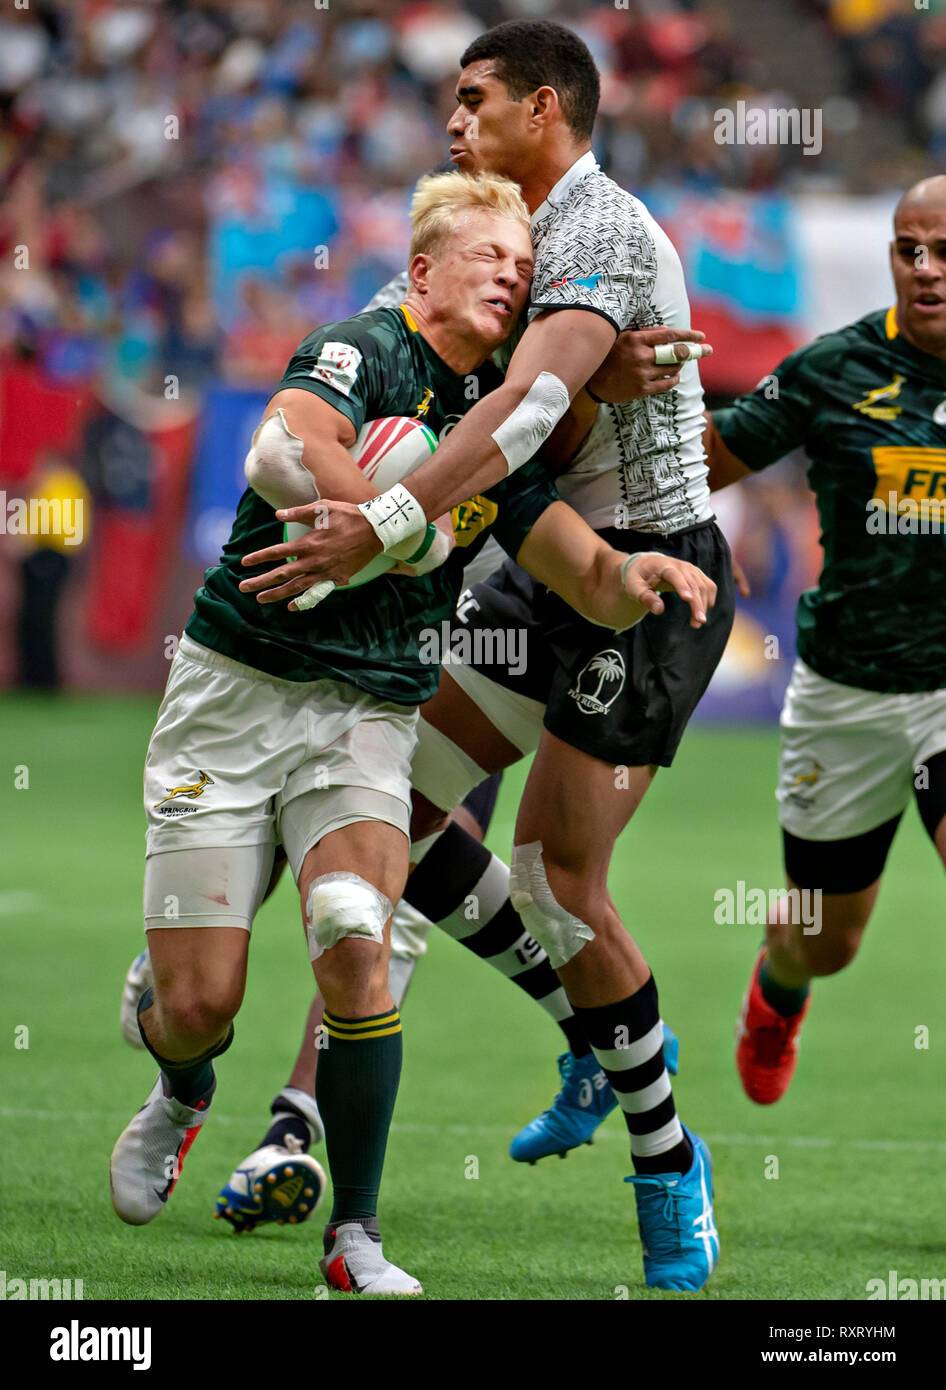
x=432, y=551
x=624, y=568
x=528, y=427
x=435, y=554
x=665, y=356
x=398, y=521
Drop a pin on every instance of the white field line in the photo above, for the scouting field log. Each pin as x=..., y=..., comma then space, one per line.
x=797, y=1141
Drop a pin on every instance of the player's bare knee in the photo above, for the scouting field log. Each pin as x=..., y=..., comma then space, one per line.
x=827, y=953
x=351, y=975
x=197, y=1019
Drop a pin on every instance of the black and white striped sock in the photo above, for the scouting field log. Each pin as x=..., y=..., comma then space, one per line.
x=627, y=1039
x=464, y=889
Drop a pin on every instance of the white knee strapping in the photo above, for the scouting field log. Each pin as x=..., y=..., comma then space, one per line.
x=523, y=432
x=274, y=467
x=558, y=931
x=343, y=905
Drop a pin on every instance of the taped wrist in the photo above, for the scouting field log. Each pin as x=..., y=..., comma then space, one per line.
x=434, y=550
x=624, y=568
x=398, y=521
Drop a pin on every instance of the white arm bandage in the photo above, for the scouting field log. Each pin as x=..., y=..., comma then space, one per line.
x=528, y=427
x=274, y=467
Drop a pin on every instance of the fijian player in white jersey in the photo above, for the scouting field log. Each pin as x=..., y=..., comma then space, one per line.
x=602, y=711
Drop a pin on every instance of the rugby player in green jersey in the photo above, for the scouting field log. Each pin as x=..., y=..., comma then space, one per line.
x=302, y=725
x=864, y=719
x=600, y=716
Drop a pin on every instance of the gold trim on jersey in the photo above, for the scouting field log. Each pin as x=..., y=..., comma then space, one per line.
x=410, y=318
x=890, y=322
x=908, y=474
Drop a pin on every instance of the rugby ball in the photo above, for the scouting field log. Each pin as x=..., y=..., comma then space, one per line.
x=386, y=451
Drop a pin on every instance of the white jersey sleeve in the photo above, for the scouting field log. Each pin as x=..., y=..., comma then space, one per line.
x=594, y=253
x=598, y=248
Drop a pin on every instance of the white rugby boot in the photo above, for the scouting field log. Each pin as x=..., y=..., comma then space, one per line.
x=139, y=978
x=354, y=1263
x=147, y=1159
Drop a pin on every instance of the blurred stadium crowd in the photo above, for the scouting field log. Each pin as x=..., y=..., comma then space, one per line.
x=196, y=184
x=173, y=167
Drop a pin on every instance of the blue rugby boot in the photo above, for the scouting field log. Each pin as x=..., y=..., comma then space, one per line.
x=576, y=1112
x=671, y=1050
x=677, y=1228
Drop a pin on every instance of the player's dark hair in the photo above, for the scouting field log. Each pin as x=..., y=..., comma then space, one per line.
x=529, y=54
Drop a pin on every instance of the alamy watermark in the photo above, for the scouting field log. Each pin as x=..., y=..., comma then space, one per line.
x=769, y=125
x=905, y=1290
x=43, y=516
x=907, y=516
x=15, y=1290
x=753, y=907
x=483, y=646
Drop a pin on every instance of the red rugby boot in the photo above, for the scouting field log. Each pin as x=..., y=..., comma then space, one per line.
x=766, y=1044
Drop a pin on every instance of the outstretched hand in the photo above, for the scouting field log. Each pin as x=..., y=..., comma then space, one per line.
x=647, y=576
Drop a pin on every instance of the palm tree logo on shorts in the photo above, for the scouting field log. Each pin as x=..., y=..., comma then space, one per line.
x=599, y=682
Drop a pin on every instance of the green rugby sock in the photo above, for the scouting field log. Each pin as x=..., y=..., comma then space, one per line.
x=355, y=1089
x=783, y=999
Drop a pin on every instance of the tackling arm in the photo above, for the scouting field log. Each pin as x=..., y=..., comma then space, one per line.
x=603, y=584
x=557, y=353
x=555, y=357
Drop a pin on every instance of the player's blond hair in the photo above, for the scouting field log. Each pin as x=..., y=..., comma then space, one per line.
x=440, y=200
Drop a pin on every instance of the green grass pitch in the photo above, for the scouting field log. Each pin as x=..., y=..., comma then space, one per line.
x=859, y=1140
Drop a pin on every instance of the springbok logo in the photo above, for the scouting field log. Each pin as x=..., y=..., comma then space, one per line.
x=191, y=792
x=808, y=777
x=870, y=404
x=604, y=672
x=426, y=399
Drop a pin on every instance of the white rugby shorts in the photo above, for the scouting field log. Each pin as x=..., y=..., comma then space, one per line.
x=850, y=757
x=239, y=759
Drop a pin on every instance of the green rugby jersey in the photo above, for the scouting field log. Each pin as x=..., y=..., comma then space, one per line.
x=869, y=409
x=368, y=367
